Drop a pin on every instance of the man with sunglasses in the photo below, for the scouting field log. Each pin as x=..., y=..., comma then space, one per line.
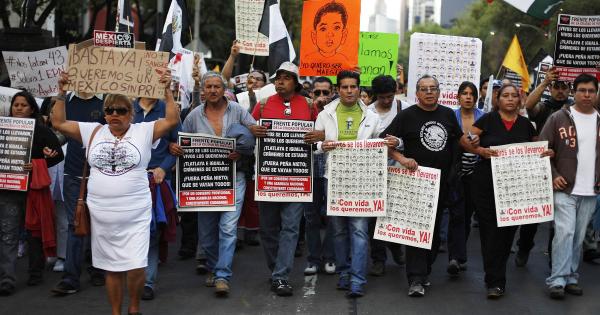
x=280, y=221
x=430, y=134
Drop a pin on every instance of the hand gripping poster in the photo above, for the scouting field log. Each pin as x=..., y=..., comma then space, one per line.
x=205, y=174
x=522, y=184
x=284, y=162
x=330, y=35
x=412, y=207
x=357, y=179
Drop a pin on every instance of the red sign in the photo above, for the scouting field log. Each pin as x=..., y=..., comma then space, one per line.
x=285, y=183
x=13, y=181
x=113, y=39
x=206, y=198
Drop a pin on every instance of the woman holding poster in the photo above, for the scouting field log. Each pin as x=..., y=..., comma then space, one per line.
x=118, y=198
x=501, y=127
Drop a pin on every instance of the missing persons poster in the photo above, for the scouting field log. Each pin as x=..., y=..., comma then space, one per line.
x=284, y=162
x=205, y=174
x=412, y=207
x=522, y=184
x=16, y=138
x=577, y=48
x=450, y=59
x=357, y=178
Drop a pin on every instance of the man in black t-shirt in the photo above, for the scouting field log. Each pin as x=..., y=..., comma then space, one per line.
x=431, y=134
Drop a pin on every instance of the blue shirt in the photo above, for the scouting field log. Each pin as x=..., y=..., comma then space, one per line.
x=197, y=121
x=77, y=109
x=160, y=155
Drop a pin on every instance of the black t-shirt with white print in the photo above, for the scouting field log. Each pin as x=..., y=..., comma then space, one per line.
x=430, y=137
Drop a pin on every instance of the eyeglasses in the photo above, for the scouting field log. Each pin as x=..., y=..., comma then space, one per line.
x=319, y=92
x=288, y=109
x=586, y=91
x=428, y=89
x=120, y=110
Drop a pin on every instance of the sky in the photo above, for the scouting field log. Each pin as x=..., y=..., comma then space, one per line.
x=368, y=8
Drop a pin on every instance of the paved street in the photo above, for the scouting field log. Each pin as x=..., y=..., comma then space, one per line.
x=181, y=291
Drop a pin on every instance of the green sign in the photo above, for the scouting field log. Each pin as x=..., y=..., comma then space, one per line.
x=377, y=55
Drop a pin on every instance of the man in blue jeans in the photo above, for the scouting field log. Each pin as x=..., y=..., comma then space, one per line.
x=159, y=168
x=82, y=107
x=217, y=230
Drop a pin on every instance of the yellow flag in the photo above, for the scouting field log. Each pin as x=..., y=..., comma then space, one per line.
x=514, y=61
x=216, y=69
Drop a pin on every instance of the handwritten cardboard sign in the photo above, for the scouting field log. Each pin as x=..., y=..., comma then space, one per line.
x=131, y=72
x=36, y=71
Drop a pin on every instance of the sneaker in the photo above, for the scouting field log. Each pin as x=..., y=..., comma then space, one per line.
x=33, y=281
x=64, y=288
x=97, y=279
x=22, y=249
x=59, y=266
x=377, y=269
x=343, y=283
x=521, y=258
x=557, y=292
x=210, y=280
x=330, y=268
x=310, y=270
x=453, y=268
x=574, y=289
x=148, y=294
x=201, y=268
x=416, y=289
x=495, y=293
x=6, y=289
x=221, y=287
x=282, y=288
x=356, y=290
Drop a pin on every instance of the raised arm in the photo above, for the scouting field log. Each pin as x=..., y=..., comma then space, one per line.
x=58, y=115
x=536, y=95
x=228, y=67
x=162, y=126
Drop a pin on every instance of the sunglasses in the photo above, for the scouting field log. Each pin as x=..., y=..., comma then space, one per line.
x=319, y=92
x=120, y=110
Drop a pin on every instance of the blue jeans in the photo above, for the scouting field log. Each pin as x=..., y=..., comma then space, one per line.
x=152, y=268
x=319, y=250
x=217, y=232
x=351, y=247
x=572, y=215
x=279, y=229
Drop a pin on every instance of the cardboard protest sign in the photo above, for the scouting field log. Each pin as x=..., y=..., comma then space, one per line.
x=36, y=71
x=357, y=179
x=247, y=17
x=16, y=138
x=113, y=39
x=522, y=184
x=450, y=59
x=6, y=95
x=330, y=34
x=131, y=72
x=577, y=48
x=284, y=162
x=412, y=207
x=205, y=174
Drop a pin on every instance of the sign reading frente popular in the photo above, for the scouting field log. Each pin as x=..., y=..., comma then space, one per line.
x=247, y=18
x=330, y=34
x=131, y=72
x=577, y=47
x=36, y=71
x=113, y=39
x=16, y=138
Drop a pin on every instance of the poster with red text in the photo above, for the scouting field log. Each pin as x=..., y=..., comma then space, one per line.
x=412, y=207
x=522, y=184
x=577, y=47
x=16, y=138
x=357, y=179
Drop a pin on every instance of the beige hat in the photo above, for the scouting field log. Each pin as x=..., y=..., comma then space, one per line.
x=288, y=67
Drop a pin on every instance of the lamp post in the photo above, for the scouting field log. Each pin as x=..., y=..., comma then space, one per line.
x=520, y=25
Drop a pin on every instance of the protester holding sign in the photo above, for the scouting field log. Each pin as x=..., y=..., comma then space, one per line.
x=500, y=127
x=576, y=179
x=217, y=229
x=118, y=155
x=39, y=214
x=430, y=135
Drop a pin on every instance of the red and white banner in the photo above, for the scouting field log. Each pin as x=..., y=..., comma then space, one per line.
x=16, y=138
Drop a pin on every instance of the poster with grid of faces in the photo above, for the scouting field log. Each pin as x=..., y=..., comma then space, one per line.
x=412, y=206
x=522, y=184
x=247, y=17
x=450, y=59
x=357, y=179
